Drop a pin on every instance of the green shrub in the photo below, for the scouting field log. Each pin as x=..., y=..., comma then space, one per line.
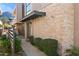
x=17, y=44
x=41, y=44
x=37, y=41
x=31, y=39
x=5, y=41
x=50, y=46
x=6, y=45
x=73, y=52
x=3, y=37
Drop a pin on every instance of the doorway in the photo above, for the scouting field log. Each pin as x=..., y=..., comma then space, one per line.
x=28, y=29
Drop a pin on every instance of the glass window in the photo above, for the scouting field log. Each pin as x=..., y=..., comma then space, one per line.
x=27, y=8
x=27, y=4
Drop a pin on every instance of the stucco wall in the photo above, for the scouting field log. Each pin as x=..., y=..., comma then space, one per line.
x=58, y=23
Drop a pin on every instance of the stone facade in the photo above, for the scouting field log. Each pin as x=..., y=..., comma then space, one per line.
x=58, y=23
x=61, y=22
x=76, y=25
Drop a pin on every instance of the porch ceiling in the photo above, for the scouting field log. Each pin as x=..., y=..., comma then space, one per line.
x=33, y=15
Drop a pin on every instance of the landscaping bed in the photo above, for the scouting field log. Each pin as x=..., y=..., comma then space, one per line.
x=48, y=46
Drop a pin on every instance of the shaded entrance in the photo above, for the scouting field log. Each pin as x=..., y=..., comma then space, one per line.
x=28, y=29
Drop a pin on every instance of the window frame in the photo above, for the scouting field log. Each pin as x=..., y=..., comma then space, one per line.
x=26, y=8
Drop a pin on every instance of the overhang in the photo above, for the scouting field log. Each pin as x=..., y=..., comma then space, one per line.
x=33, y=15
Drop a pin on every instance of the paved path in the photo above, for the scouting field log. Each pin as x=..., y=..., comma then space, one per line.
x=31, y=50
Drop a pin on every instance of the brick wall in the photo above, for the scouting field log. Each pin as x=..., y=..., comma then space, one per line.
x=58, y=23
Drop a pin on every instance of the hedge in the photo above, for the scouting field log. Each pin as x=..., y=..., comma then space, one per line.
x=17, y=44
x=31, y=39
x=37, y=41
x=48, y=46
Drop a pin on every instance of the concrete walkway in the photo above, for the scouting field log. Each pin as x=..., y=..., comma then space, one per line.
x=31, y=50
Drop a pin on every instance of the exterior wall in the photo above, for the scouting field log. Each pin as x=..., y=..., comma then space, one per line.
x=58, y=23
x=23, y=10
x=38, y=6
x=19, y=16
x=19, y=11
x=76, y=33
x=21, y=29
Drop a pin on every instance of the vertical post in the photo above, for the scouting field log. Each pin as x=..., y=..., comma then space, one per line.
x=12, y=48
x=13, y=43
x=25, y=30
x=11, y=35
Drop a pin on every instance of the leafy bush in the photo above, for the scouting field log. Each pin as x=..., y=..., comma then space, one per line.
x=73, y=52
x=48, y=46
x=17, y=44
x=3, y=37
x=37, y=41
x=31, y=39
x=6, y=45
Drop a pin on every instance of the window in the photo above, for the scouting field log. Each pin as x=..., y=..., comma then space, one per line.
x=27, y=8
